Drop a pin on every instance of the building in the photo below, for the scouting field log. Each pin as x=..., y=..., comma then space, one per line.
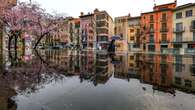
x=157, y=28
x=184, y=28
x=88, y=32
x=157, y=71
x=184, y=73
x=104, y=28
x=121, y=30
x=62, y=36
x=75, y=32
x=133, y=33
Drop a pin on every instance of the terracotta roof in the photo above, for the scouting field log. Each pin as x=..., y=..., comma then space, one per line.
x=184, y=6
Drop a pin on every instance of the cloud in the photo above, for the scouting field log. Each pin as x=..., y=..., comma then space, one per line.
x=114, y=7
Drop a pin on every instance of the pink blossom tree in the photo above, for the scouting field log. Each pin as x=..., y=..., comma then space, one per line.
x=30, y=18
x=18, y=20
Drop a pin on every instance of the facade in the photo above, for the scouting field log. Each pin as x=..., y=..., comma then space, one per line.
x=121, y=30
x=104, y=28
x=157, y=28
x=121, y=26
x=88, y=33
x=75, y=32
x=61, y=37
x=184, y=72
x=157, y=70
x=133, y=33
x=184, y=28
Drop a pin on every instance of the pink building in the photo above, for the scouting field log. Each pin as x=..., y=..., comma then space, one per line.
x=87, y=25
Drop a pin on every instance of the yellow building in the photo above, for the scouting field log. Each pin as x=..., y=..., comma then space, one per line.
x=121, y=27
x=133, y=33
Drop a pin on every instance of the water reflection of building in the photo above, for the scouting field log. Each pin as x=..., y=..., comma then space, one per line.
x=58, y=57
x=184, y=69
x=87, y=64
x=6, y=103
x=103, y=68
x=157, y=70
x=121, y=66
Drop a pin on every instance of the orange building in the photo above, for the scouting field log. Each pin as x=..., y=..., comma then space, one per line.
x=157, y=28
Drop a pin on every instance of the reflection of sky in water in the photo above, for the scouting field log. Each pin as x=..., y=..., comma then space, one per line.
x=116, y=94
x=89, y=81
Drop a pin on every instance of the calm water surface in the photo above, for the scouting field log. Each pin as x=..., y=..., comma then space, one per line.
x=88, y=80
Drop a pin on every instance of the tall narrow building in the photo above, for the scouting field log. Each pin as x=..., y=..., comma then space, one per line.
x=121, y=30
x=133, y=33
x=157, y=28
x=104, y=28
x=88, y=32
x=184, y=28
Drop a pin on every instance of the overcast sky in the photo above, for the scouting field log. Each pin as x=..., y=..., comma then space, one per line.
x=113, y=7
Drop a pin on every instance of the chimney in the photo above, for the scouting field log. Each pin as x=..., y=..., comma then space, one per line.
x=129, y=14
x=82, y=13
x=176, y=2
x=96, y=10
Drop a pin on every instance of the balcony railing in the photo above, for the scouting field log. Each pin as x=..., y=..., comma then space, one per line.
x=179, y=30
x=178, y=40
x=164, y=41
x=164, y=19
x=151, y=20
x=151, y=30
x=151, y=41
x=192, y=28
x=164, y=30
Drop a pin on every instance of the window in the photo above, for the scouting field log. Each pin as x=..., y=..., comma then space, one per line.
x=192, y=69
x=151, y=18
x=188, y=83
x=164, y=16
x=131, y=57
x=151, y=26
x=178, y=80
x=131, y=30
x=151, y=48
x=151, y=38
x=132, y=38
x=178, y=59
x=164, y=37
x=178, y=68
x=193, y=36
x=177, y=46
x=179, y=37
x=188, y=13
x=164, y=27
x=179, y=26
x=193, y=24
x=179, y=15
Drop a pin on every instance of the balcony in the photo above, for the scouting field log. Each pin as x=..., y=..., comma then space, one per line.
x=178, y=40
x=151, y=20
x=151, y=30
x=179, y=30
x=164, y=19
x=164, y=30
x=151, y=41
x=192, y=28
x=164, y=41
